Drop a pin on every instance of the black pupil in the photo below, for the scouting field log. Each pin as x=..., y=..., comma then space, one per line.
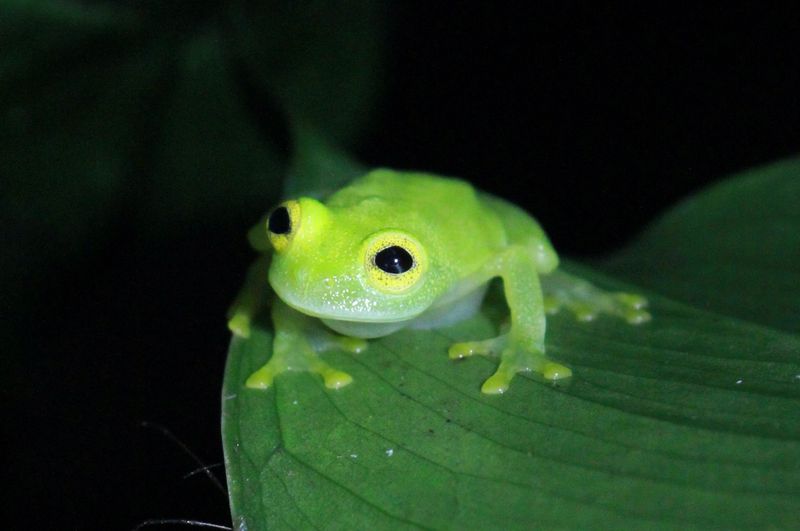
x=394, y=260
x=279, y=222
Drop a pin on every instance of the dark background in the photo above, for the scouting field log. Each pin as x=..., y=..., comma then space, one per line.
x=594, y=119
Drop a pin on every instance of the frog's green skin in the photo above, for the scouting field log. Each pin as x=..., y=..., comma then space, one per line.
x=323, y=268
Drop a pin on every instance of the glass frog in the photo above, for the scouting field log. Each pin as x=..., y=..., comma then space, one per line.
x=396, y=250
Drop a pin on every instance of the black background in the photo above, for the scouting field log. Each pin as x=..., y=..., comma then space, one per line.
x=596, y=119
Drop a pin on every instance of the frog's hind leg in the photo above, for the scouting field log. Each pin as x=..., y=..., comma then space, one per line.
x=586, y=301
x=298, y=341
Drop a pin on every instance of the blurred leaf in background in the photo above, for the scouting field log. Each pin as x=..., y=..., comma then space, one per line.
x=166, y=116
x=747, y=261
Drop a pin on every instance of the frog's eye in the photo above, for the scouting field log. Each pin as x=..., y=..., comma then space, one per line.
x=279, y=221
x=394, y=261
x=282, y=224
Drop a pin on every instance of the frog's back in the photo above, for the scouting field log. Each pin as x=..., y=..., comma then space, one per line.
x=408, y=188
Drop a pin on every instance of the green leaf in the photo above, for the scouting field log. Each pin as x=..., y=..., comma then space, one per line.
x=689, y=421
x=319, y=59
x=318, y=167
x=210, y=157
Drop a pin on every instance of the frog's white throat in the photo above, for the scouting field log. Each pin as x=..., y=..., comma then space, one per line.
x=363, y=329
x=437, y=316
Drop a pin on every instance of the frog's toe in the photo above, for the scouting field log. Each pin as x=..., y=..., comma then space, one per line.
x=583, y=312
x=458, y=351
x=335, y=379
x=496, y=384
x=631, y=307
x=239, y=324
x=631, y=300
x=355, y=345
x=637, y=316
x=262, y=378
x=555, y=371
x=486, y=347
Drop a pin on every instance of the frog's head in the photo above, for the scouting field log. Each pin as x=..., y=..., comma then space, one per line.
x=334, y=264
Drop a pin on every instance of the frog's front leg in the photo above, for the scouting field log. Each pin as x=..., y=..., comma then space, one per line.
x=586, y=301
x=521, y=349
x=298, y=341
x=251, y=298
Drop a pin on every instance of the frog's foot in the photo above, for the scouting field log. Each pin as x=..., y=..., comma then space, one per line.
x=631, y=307
x=516, y=358
x=301, y=352
x=588, y=305
x=239, y=324
x=264, y=377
